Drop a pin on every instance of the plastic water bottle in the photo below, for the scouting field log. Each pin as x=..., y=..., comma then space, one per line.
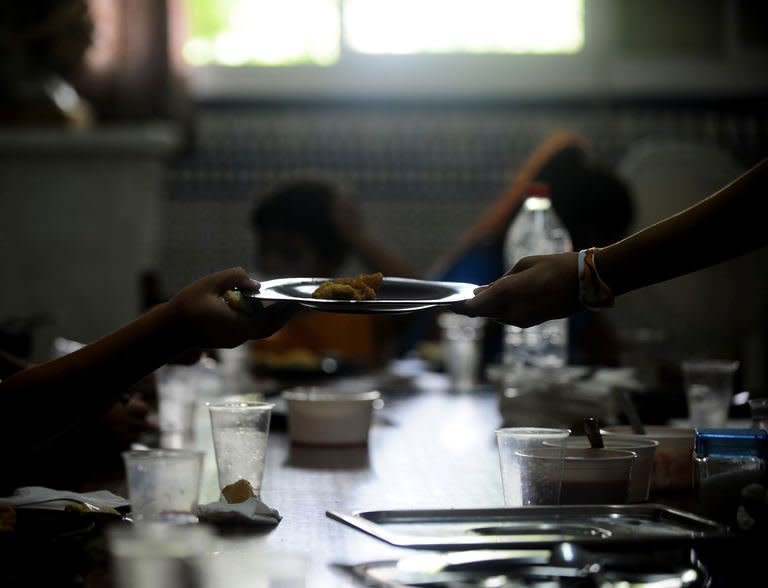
x=536, y=230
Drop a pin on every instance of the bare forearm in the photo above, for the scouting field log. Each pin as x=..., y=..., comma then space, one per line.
x=45, y=401
x=718, y=228
x=83, y=384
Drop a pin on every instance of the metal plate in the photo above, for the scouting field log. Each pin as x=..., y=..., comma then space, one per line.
x=530, y=526
x=567, y=565
x=395, y=295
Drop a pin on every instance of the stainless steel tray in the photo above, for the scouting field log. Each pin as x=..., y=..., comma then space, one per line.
x=569, y=566
x=532, y=526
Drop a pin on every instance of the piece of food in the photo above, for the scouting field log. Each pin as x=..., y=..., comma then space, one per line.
x=85, y=508
x=236, y=492
x=241, y=303
x=363, y=287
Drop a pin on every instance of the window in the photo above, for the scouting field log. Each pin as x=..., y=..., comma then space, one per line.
x=263, y=32
x=324, y=32
x=463, y=26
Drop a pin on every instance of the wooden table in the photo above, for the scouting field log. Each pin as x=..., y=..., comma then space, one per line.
x=427, y=448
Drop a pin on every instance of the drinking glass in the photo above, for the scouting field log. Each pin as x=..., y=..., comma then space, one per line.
x=709, y=387
x=460, y=340
x=240, y=432
x=163, y=484
x=520, y=488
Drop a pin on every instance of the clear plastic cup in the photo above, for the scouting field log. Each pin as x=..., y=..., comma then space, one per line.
x=758, y=408
x=520, y=486
x=460, y=342
x=176, y=397
x=588, y=476
x=709, y=385
x=240, y=433
x=163, y=484
x=642, y=467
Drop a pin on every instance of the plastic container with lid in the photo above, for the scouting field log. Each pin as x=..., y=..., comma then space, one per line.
x=536, y=230
x=729, y=465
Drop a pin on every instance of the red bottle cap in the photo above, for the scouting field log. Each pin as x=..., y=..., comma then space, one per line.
x=538, y=189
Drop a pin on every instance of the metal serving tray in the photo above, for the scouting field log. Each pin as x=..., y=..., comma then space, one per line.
x=531, y=526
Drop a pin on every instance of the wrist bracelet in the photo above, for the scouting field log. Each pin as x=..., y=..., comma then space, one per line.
x=593, y=292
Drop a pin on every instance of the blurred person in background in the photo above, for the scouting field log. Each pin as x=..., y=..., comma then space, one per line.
x=594, y=205
x=310, y=227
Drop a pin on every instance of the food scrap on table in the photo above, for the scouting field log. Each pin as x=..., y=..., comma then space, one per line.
x=363, y=287
x=237, y=492
x=238, y=506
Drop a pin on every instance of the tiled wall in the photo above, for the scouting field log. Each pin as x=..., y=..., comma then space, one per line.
x=421, y=174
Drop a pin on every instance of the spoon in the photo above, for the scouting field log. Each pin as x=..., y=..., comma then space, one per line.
x=593, y=433
x=630, y=410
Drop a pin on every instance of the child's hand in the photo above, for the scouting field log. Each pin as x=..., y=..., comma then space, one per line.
x=212, y=312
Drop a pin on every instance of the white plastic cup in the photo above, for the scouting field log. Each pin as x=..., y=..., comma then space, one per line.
x=163, y=484
x=240, y=432
x=520, y=487
x=245, y=567
x=709, y=385
x=160, y=556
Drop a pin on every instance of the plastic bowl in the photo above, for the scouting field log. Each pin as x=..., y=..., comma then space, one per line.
x=673, y=459
x=329, y=417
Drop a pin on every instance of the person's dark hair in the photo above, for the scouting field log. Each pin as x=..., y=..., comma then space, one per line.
x=304, y=206
x=594, y=204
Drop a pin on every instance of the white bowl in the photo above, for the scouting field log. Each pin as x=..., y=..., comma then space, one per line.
x=328, y=416
x=673, y=460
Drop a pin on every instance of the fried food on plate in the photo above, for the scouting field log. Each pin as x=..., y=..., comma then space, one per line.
x=363, y=287
x=245, y=304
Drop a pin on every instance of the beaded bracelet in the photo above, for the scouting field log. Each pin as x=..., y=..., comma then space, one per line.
x=593, y=292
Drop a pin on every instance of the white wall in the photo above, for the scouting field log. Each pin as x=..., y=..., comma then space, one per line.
x=78, y=223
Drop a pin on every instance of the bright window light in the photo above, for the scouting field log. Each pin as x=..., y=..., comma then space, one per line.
x=464, y=26
x=262, y=32
x=288, y=32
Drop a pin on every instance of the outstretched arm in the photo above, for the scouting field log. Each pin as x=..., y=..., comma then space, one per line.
x=49, y=399
x=724, y=225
